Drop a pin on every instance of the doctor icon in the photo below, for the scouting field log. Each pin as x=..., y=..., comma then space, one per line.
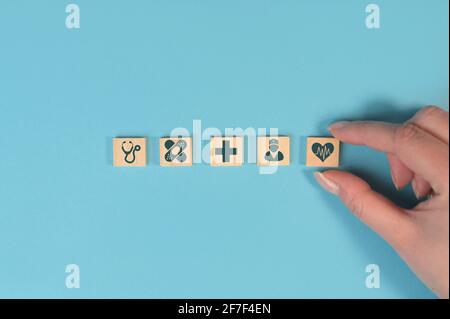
x=274, y=154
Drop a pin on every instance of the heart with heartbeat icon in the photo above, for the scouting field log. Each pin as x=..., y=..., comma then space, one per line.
x=323, y=151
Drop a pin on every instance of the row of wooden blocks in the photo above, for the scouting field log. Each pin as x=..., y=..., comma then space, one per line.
x=226, y=151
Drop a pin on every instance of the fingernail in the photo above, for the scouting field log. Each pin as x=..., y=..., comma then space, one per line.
x=338, y=125
x=326, y=183
x=415, y=190
x=394, y=180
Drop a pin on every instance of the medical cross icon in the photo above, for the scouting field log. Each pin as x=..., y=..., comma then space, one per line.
x=226, y=151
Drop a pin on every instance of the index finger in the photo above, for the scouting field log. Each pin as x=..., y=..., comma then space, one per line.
x=434, y=120
x=377, y=135
x=420, y=151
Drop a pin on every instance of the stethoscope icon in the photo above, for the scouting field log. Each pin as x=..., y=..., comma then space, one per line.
x=130, y=152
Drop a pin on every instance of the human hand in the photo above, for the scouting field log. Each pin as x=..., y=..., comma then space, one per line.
x=418, y=153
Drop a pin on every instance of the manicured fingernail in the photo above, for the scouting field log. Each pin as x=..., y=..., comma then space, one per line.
x=326, y=183
x=394, y=180
x=415, y=189
x=338, y=125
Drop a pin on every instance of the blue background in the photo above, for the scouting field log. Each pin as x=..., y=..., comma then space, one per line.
x=142, y=68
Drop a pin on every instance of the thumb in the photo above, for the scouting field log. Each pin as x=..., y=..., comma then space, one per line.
x=384, y=217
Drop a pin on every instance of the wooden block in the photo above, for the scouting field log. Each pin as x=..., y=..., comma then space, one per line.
x=175, y=151
x=130, y=151
x=322, y=152
x=227, y=151
x=273, y=150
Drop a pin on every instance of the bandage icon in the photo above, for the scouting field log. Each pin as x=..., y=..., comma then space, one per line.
x=175, y=151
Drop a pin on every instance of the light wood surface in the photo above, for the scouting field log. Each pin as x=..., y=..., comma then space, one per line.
x=130, y=151
x=322, y=152
x=175, y=151
x=273, y=151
